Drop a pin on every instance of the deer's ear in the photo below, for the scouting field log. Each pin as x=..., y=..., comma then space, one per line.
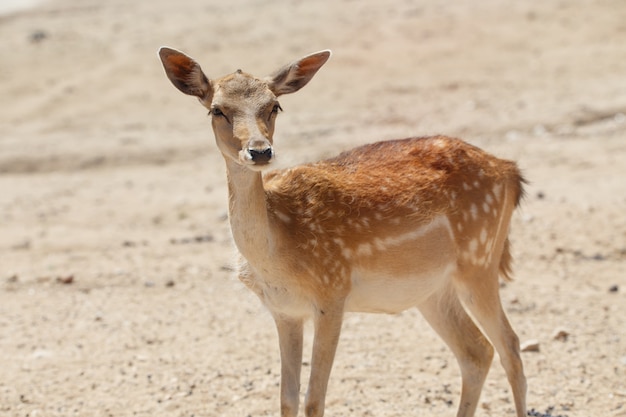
x=185, y=73
x=296, y=75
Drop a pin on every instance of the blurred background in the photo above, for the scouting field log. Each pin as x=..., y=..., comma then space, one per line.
x=117, y=292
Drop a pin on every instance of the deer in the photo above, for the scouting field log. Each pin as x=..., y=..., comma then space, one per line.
x=419, y=222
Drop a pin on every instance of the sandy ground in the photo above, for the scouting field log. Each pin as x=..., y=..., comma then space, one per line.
x=117, y=296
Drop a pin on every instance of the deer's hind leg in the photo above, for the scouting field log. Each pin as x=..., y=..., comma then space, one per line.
x=473, y=352
x=480, y=294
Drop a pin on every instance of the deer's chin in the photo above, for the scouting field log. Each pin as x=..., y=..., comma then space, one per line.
x=258, y=167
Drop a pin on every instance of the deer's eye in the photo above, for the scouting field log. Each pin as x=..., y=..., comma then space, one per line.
x=217, y=112
x=276, y=108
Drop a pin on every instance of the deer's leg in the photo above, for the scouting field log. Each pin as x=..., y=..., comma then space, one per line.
x=290, y=333
x=327, y=322
x=480, y=295
x=473, y=352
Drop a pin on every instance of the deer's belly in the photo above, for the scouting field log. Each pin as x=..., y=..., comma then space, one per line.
x=407, y=269
x=382, y=292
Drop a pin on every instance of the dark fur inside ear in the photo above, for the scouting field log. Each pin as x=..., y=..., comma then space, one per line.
x=185, y=73
x=296, y=75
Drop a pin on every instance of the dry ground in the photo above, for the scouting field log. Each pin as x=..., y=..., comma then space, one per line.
x=116, y=290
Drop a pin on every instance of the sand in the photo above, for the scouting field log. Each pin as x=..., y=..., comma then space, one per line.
x=117, y=294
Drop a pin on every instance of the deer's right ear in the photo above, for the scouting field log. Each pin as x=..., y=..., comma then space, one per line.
x=185, y=73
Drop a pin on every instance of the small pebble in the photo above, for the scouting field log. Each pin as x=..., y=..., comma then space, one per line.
x=534, y=413
x=38, y=36
x=66, y=280
x=530, y=346
x=560, y=334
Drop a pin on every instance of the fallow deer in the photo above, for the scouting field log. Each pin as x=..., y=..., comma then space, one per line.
x=419, y=222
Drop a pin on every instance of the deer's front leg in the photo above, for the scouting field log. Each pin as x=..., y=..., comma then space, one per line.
x=328, y=319
x=290, y=340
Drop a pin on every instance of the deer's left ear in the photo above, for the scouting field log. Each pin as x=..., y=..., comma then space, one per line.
x=185, y=73
x=296, y=75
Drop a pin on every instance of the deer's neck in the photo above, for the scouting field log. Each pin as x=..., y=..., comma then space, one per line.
x=248, y=214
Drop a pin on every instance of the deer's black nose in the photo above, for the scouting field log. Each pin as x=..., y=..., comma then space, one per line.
x=261, y=156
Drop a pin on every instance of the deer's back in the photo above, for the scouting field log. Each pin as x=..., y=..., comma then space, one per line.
x=415, y=177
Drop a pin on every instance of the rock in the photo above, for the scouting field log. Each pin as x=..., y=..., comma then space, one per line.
x=560, y=334
x=65, y=280
x=38, y=36
x=531, y=345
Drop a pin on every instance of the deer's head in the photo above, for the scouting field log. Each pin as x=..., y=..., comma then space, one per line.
x=243, y=108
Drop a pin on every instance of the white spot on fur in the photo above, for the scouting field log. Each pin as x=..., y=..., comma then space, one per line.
x=283, y=217
x=364, y=249
x=489, y=245
x=474, y=211
x=497, y=191
x=379, y=244
x=483, y=236
x=439, y=143
x=473, y=247
x=481, y=261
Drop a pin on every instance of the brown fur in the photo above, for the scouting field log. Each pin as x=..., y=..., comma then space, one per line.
x=353, y=185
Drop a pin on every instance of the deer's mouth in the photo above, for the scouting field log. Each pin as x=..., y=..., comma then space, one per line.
x=257, y=156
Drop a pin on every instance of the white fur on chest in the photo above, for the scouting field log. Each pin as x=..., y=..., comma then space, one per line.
x=278, y=297
x=286, y=301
